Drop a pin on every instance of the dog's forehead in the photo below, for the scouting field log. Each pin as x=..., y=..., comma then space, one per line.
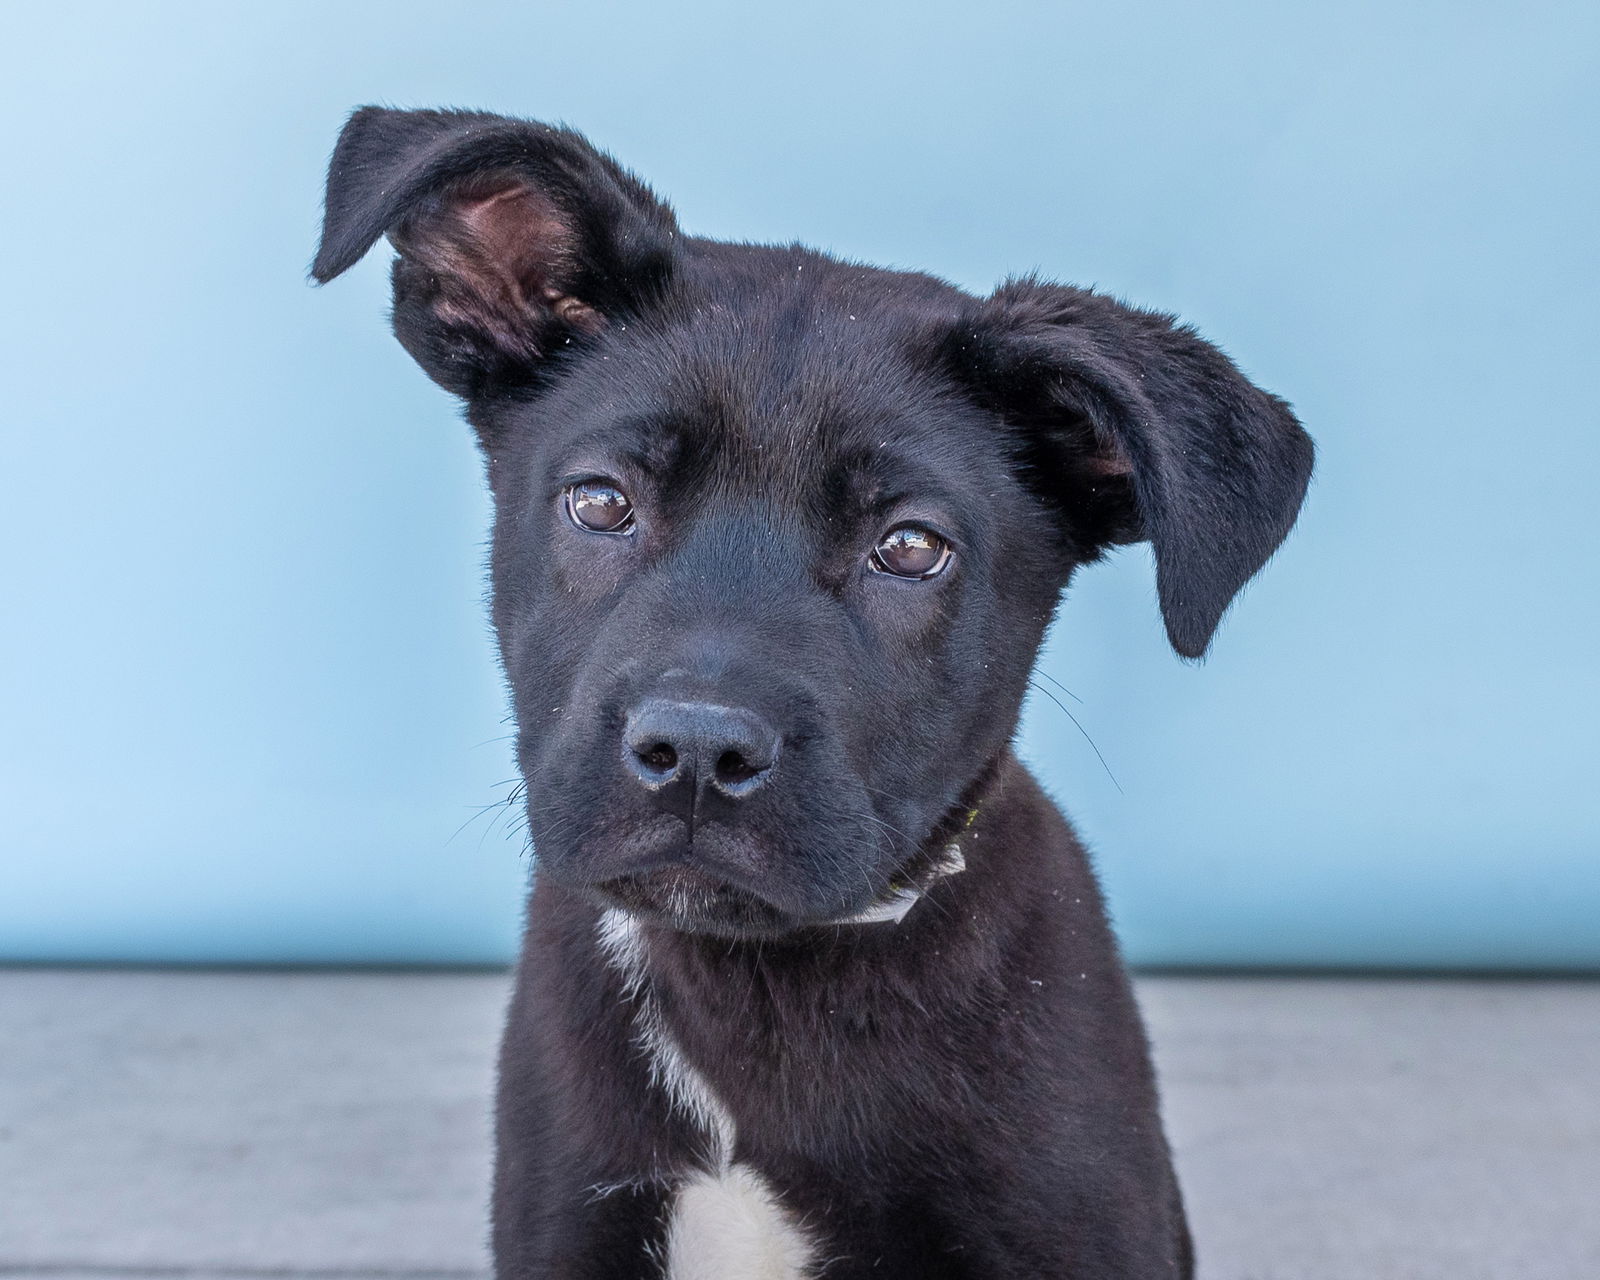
x=794, y=392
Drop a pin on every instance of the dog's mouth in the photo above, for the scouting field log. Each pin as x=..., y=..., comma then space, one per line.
x=682, y=898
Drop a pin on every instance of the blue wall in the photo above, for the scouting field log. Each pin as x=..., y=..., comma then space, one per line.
x=246, y=695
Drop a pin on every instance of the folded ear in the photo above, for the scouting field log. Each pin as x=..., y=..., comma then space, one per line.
x=1150, y=432
x=514, y=238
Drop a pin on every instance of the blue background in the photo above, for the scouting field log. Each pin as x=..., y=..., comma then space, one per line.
x=246, y=688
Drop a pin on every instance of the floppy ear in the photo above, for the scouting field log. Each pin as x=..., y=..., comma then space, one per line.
x=514, y=238
x=1150, y=432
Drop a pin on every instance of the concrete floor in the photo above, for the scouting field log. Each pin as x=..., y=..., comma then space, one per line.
x=195, y=1125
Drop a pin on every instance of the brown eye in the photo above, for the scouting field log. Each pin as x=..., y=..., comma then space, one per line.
x=598, y=506
x=911, y=551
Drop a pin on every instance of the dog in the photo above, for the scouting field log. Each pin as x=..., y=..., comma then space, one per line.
x=816, y=981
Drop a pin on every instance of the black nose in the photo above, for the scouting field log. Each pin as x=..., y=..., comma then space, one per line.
x=699, y=744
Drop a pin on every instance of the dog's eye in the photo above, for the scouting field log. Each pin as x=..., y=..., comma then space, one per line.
x=911, y=551
x=598, y=506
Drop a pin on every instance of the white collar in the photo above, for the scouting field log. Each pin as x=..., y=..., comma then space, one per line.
x=902, y=895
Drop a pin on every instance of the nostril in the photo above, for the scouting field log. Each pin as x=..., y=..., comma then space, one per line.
x=733, y=768
x=660, y=756
x=741, y=769
x=654, y=761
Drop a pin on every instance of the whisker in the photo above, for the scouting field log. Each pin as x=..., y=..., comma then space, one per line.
x=508, y=808
x=887, y=826
x=1083, y=731
x=477, y=813
x=1059, y=685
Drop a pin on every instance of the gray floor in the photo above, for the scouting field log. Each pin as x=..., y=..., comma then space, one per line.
x=207, y=1124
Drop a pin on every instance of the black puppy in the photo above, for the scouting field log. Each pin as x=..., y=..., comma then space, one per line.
x=816, y=981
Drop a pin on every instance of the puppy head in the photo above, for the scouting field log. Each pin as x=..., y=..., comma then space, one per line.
x=777, y=537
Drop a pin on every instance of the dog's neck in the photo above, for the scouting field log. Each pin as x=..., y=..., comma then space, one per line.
x=906, y=891
x=749, y=1015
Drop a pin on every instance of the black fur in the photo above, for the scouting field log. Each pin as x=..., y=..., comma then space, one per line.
x=966, y=1093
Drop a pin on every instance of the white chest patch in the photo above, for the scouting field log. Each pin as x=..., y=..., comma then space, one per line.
x=726, y=1223
x=728, y=1227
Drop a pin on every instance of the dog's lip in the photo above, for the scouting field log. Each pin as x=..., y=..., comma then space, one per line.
x=688, y=898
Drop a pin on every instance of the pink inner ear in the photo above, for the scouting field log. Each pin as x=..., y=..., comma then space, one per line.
x=521, y=234
x=503, y=258
x=1093, y=455
x=1108, y=464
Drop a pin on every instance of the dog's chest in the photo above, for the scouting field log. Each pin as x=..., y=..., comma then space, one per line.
x=729, y=1226
x=726, y=1223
